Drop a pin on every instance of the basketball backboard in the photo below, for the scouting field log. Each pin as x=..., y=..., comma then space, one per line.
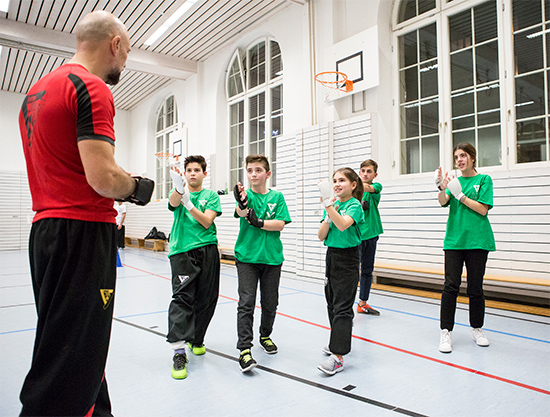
x=357, y=57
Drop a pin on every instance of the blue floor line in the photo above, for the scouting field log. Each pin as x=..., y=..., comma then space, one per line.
x=18, y=331
x=461, y=324
x=296, y=291
x=143, y=314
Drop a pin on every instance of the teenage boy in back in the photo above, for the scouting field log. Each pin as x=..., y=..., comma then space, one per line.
x=259, y=254
x=371, y=229
x=194, y=260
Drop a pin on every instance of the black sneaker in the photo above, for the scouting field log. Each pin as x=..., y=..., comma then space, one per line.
x=179, y=369
x=268, y=345
x=245, y=361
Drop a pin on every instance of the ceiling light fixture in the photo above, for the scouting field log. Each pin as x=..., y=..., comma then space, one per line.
x=4, y=5
x=171, y=20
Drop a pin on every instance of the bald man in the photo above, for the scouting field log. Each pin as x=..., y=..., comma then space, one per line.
x=67, y=130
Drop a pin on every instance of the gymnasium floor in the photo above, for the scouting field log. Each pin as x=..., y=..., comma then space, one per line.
x=394, y=368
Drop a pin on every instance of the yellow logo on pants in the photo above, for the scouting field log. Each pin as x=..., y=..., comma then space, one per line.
x=106, y=296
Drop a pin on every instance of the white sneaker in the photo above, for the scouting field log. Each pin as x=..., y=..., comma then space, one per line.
x=445, y=342
x=331, y=365
x=479, y=337
x=327, y=351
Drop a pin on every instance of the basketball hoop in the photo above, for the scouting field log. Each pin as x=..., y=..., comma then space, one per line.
x=335, y=83
x=167, y=159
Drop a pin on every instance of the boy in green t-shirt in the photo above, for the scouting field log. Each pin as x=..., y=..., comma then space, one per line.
x=259, y=252
x=194, y=260
x=371, y=229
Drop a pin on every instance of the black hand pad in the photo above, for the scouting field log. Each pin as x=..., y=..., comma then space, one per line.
x=142, y=193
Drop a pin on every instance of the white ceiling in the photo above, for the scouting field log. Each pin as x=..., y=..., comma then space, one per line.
x=38, y=36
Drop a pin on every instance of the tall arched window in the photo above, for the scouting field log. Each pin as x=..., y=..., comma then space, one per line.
x=255, y=99
x=167, y=121
x=456, y=85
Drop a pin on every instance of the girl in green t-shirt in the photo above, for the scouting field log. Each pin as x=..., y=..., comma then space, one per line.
x=341, y=232
x=468, y=240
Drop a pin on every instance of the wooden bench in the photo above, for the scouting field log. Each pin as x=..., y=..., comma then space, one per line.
x=151, y=244
x=510, y=288
x=227, y=255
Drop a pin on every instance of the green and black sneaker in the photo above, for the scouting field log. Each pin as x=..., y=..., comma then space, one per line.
x=245, y=361
x=179, y=369
x=268, y=345
x=197, y=349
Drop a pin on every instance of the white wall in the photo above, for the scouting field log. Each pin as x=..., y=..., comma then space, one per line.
x=11, y=157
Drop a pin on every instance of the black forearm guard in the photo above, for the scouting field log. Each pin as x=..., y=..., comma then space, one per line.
x=254, y=220
x=142, y=194
x=242, y=203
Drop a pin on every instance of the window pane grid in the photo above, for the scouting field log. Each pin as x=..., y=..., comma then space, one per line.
x=419, y=100
x=531, y=84
x=476, y=98
x=256, y=59
x=263, y=112
x=276, y=61
x=475, y=84
x=234, y=82
x=167, y=119
x=412, y=8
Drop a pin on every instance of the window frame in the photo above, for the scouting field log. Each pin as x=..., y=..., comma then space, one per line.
x=506, y=81
x=163, y=182
x=267, y=87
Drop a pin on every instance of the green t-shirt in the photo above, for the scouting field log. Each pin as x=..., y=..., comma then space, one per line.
x=467, y=229
x=257, y=246
x=372, y=225
x=350, y=237
x=187, y=233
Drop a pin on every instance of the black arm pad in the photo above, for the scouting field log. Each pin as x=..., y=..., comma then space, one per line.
x=242, y=203
x=142, y=194
x=254, y=220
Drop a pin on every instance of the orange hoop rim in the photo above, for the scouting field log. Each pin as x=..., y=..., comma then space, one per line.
x=341, y=82
x=166, y=155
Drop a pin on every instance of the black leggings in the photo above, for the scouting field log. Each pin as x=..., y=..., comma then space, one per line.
x=475, y=260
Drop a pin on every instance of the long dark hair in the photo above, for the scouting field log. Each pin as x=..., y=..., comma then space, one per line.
x=352, y=176
x=468, y=148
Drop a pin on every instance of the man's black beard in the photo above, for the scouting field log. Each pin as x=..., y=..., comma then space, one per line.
x=113, y=77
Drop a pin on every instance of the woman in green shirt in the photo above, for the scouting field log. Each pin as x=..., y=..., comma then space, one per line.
x=468, y=240
x=341, y=232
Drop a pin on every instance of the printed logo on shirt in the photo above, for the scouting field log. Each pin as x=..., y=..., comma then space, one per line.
x=31, y=106
x=271, y=210
x=476, y=187
x=106, y=296
x=183, y=279
x=202, y=203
